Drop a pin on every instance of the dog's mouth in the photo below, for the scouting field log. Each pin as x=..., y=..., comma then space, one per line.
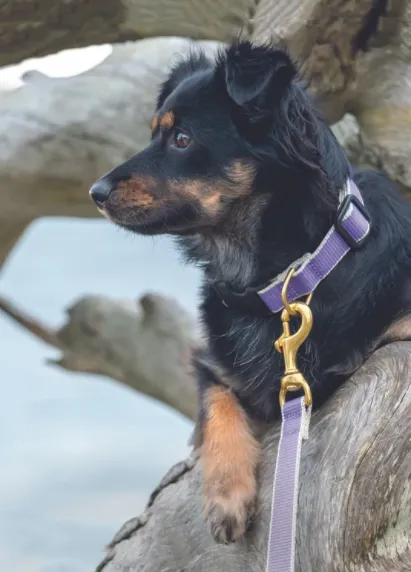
x=131, y=218
x=139, y=210
x=129, y=203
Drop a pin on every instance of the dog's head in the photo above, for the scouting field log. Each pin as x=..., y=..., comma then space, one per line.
x=224, y=134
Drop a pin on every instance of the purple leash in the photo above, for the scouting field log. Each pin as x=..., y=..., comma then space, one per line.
x=349, y=232
x=296, y=415
x=281, y=541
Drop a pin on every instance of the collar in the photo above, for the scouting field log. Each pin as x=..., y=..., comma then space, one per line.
x=349, y=232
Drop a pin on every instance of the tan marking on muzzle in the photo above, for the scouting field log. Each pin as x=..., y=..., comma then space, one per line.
x=241, y=176
x=135, y=192
x=209, y=193
x=167, y=120
x=213, y=200
x=191, y=187
x=204, y=192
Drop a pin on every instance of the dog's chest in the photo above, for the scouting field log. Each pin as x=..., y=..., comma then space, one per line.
x=243, y=346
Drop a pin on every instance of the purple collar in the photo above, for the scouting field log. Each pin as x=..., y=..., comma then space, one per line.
x=349, y=232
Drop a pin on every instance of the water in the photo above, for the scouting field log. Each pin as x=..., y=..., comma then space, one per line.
x=79, y=454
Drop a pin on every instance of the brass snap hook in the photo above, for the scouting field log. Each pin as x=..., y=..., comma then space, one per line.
x=288, y=344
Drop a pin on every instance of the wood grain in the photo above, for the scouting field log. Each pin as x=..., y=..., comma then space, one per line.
x=354, y=500
x=34, y=28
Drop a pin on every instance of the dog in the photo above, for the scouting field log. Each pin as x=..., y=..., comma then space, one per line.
x=247, y=176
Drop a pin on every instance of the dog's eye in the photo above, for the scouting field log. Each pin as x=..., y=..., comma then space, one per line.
x=181, y=140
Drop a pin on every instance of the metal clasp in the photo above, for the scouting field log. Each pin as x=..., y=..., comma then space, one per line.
x=289, y=344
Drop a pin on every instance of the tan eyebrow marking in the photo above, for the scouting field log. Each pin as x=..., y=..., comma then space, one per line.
x=154, y=123
x=167, y=120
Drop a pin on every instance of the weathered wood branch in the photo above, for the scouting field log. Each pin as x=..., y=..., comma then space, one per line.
x=143, y=344
x=354, y=500
x=328, y=36
x=382, y=106
x=356, y=57
x=35, y=28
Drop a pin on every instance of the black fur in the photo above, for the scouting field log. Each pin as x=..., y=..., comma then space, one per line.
x=249, y=106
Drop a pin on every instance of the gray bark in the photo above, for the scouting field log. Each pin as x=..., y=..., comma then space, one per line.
x=35, y=28
x=354, y=499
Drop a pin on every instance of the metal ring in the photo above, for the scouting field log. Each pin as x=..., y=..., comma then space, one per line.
x=293, y=385
x=284, y=290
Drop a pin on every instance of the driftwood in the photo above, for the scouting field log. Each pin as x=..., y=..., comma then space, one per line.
x=354, y=498
x=144, y=344
x=33, y=28
x=355, y=494
x=58, y=135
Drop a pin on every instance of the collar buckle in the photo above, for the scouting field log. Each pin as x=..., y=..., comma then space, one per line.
x=343, y=216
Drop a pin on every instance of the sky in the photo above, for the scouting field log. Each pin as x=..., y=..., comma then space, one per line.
x=64, y=64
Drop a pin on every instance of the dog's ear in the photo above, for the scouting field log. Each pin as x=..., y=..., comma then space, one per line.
x=184, y=68
x=256, y=76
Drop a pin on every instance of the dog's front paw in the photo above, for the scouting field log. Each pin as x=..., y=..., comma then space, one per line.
x=229, y=512
x=229, y=454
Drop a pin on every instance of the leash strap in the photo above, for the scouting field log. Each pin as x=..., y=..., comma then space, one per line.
x=281, y=541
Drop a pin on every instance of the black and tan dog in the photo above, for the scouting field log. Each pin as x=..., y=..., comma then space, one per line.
x=245, y=174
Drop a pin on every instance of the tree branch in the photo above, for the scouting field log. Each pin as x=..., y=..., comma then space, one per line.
x=36, y=327
x=354, y=494
x=37, y=28
x=145, y=345
x=382, y=106
x=329, y=37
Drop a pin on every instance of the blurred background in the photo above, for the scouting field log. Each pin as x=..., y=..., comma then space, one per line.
x=96, y=405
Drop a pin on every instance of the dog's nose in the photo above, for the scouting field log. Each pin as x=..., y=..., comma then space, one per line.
x=100, y=191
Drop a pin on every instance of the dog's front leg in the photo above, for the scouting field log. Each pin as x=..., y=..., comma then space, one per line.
x=229, y=454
